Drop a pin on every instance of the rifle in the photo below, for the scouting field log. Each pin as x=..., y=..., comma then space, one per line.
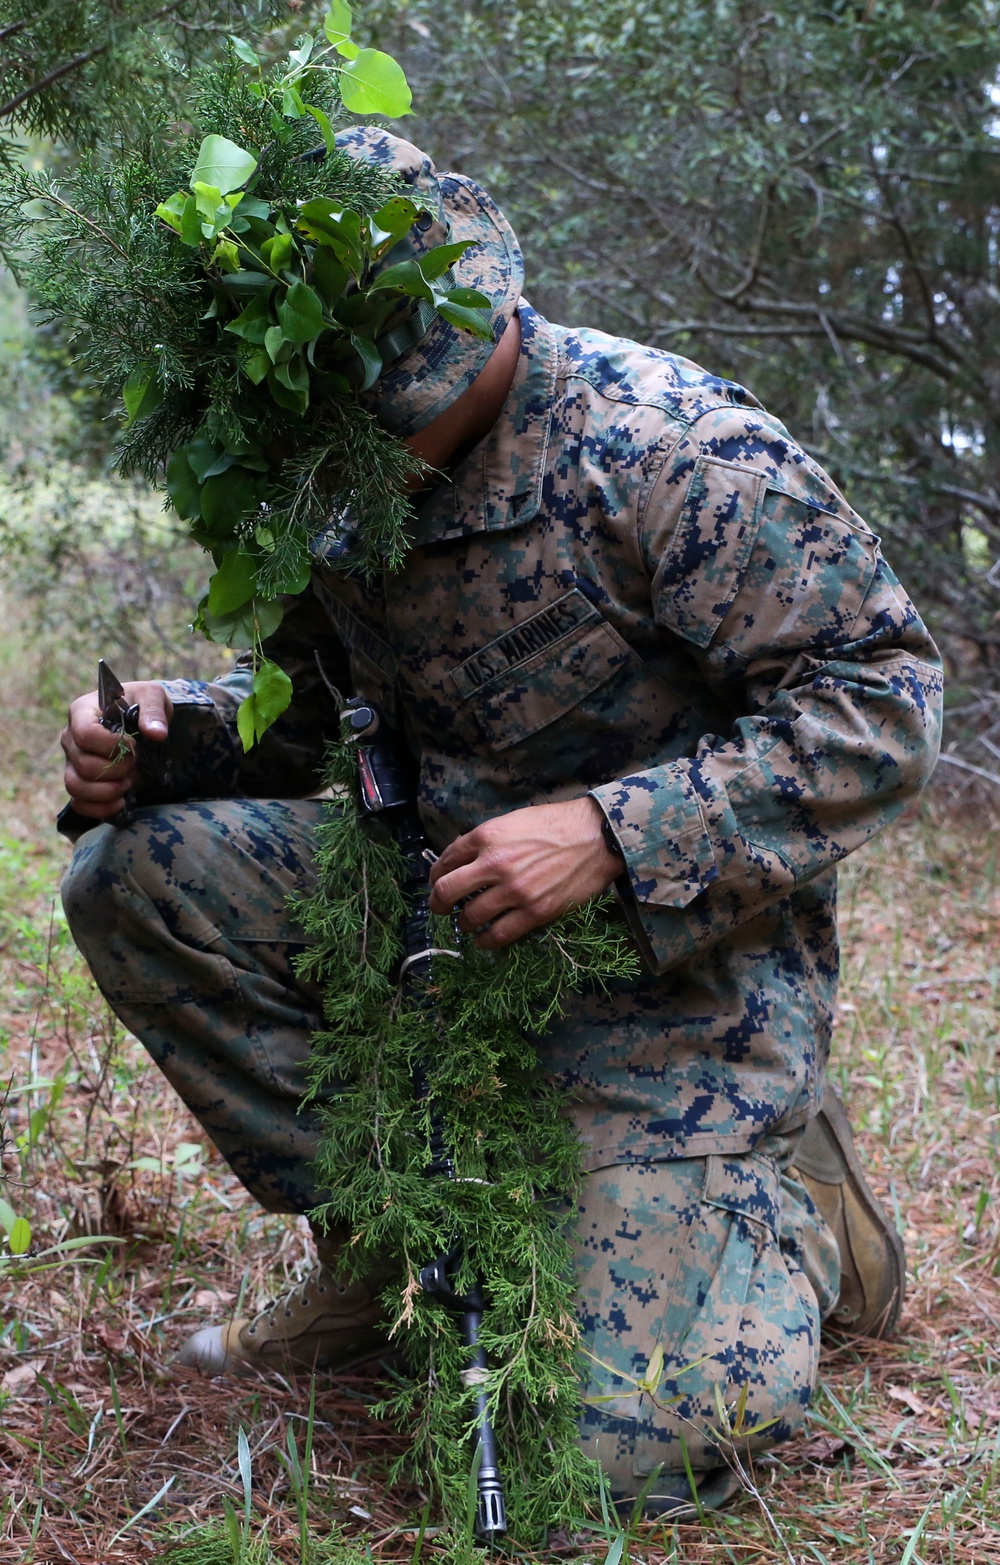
x=388, y=789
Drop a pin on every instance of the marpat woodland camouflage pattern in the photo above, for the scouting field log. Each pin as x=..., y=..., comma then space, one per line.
x=639, y=586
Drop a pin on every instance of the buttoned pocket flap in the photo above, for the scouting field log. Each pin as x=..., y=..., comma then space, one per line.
x=538, y=670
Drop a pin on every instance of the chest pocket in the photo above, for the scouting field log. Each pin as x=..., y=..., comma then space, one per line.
x=549, y=664
x=754, y=571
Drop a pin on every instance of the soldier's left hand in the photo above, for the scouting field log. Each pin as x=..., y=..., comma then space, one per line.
x=524, y=869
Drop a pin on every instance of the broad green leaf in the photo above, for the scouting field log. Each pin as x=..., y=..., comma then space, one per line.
x=302, y=54
x=271, y=695
x=257, y=619
x=338, y=21
x=285, y=397
x=19, y=1238
x=370, y=358
x=374, y=83
x=222, y=163
x=301, y=313
x=226, y=499
x=335, y=226
x=273, y=690
x=253, y=322
x=326, y=129
x=407, y=277
x=234, y=583
x=8, y=1216
x=347, y=49
x=464, y=319
x=244, y=52
x=470, y=296
x=248, y=282
x=252, y=206
x=183, y=487
x=292, y=372
x=292, y=106
x=274, y=341
x=255, y=368
x=392, y=221
x=276, y=252
x=437, y=261
x=190, y=229
x=208, y=199
x=226, y=256
x=141, y=393
x=296, y=578
x=207, y=455
x=329, y=276
x=171, y=211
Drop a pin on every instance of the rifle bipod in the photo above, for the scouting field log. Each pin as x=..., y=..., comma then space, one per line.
x=387, y=790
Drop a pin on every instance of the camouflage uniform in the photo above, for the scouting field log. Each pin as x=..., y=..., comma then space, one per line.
x=640, y=586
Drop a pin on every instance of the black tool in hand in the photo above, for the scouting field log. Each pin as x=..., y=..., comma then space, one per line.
x=118, y=716
x=389, y=789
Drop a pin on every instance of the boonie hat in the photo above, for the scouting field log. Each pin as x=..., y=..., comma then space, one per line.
x=429, y=362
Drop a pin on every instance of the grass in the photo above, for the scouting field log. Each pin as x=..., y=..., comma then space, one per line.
x=103, y=1445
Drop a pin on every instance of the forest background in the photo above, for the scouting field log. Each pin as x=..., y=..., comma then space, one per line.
x=805, y=199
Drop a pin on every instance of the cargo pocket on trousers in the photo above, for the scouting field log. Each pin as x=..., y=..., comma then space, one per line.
x=703, y=1330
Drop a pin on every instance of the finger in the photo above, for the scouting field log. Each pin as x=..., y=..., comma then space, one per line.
x=512, y=926
x=462, y=882
x=155, y=711
x=97, y=812
x=92, y=791
x=462, y=851
x=86, y=736
x=97, y=768
x=485, y=907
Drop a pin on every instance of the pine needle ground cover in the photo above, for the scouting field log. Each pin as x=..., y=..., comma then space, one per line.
x=903, y=1446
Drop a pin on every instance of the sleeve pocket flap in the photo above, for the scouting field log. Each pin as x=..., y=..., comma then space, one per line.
x=704, y=564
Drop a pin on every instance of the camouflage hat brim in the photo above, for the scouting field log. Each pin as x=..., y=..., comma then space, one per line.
x=420, y=385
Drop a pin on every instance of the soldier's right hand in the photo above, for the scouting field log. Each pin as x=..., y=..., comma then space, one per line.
x=95, y=781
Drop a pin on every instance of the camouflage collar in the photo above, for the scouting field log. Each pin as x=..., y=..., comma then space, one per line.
x=499, y=484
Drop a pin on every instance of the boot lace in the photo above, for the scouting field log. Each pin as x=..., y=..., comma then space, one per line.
x=316, y=1284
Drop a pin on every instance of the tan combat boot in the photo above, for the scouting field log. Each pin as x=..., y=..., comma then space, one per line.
x=872, y=1259
x=323, y=1322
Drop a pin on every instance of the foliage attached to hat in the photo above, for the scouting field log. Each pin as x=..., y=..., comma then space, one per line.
x=236, y=284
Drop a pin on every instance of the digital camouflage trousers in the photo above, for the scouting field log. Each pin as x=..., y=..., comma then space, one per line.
x=721, y=1262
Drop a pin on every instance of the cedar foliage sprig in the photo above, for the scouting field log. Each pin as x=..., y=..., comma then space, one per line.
x=235, y=284
x=515, y=1152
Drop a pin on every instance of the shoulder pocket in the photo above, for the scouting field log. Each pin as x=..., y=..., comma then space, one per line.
x=708, y=553
x=753, y=570
x=547, y=665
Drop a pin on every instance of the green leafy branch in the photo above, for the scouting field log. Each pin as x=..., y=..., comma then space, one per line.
x=370, y=82
x=305, y=291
